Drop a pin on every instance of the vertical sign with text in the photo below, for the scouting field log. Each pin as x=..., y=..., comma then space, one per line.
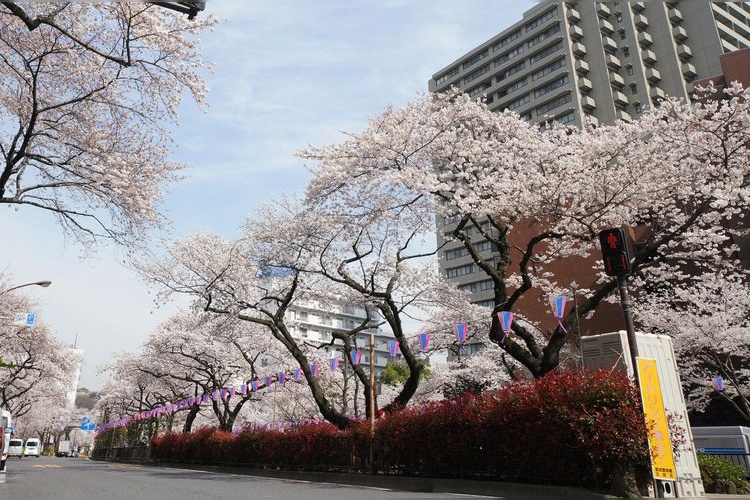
x=662, y=459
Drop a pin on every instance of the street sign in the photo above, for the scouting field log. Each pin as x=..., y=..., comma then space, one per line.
x=87, y=424
x=615, y=252
x=24, y=319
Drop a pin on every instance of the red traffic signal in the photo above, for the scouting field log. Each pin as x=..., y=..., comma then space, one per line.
x=615, y=252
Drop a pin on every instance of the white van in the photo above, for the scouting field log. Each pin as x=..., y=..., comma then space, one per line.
x=15, y=448
x=31, y=448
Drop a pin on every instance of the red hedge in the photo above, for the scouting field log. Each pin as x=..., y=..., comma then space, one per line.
x=567, y=427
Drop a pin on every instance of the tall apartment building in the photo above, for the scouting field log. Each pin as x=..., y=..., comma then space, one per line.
x=315, y=323
x=602, y=60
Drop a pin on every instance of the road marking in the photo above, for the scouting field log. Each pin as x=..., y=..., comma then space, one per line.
x=47, y=466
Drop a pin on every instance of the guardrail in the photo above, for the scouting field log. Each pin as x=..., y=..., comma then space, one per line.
x=125, y=454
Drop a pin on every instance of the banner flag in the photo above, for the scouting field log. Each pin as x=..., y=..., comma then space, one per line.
x=356, y=357
x=298, y=374
x=269, y=380
x=254, y=385
x=334, y=364
x=243, y=389
x=314, y=369
x=558, y=306
x=461, y=333
x=232, y=391
x=393, y=347
x=424, y=340
x=282, y=378
x=718, y=384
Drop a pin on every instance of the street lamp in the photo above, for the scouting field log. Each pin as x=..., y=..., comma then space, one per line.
x=42, y=283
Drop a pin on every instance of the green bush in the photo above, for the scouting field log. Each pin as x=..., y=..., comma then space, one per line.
x=715, y=469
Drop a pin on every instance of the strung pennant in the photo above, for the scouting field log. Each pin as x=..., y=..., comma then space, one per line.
x=558, y=306
x=268, y=381
x=282, y=378
x=243, y=389
x=558, y=309
x=461, y=333
x=298, y=374
x=356, y=357
x=334, y=364
x=393, y=348
x=424, y=340
x=232, y=391
x=314, y=369
x=718, y=384
x=506, y=320
x=254, y=385
x=224, y=393
x=216, y=395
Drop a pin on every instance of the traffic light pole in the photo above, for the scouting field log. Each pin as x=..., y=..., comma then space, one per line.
x=622, y=284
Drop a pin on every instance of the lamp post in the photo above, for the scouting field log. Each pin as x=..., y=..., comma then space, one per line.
x=42, y=283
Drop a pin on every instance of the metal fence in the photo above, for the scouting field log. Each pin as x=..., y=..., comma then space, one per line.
x=741, y=459
x=124, y=454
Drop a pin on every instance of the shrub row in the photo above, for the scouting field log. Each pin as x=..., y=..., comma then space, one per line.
x=567, y=428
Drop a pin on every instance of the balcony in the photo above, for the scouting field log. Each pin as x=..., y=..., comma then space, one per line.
x=606, y=27
x=645, y=39
x=656, y=94
x=576, y=33
x=684, y=52
x=593, y=120
x=648, y=56
x=620, y=98
x=689, y=71
x=573, y=15
x=653, y=75
x=623, y=115
x=613, y=62
x=679, y=33
x=609, y=44
x=602, y=9
x=638, y=6
x=578, y=49
x=588, y=103
x=640, y=21
x=585, y=85
x=616, y=80
x=675, y=15
x=582, y=67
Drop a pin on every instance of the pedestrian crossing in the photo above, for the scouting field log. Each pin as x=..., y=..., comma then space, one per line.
x=47, y=466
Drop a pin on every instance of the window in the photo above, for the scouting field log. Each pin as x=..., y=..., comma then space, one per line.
x=302, y=315
x=544, y=35
x=456, y=253
x=540, y=73
x=460, y=271
x=476, y=74
x=566, y=118
x=513, y=70
x=513, y=87
x=479, y=89
x=638, y=108
x=545, y=52
x=629, y=69
x=623, y=36
x=327, y=320
x=476, y=58
x=486, y=285
x=541, y=19
x=508, y=56
x=633, y=88
x=626, y=51
x=506, y=40
x=486, y=303
x=471, y=287
x=483, y=246
x=555, y=103
x=444, y=78
x=553, y=85
x=451, y=219
x=618, y=17
x=524, y=99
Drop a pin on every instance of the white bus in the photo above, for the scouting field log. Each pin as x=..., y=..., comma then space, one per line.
x=5, y=427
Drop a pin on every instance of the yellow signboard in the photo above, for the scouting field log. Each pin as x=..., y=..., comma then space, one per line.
x=662, y=460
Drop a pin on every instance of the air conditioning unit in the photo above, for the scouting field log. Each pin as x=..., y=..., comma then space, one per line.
x=611, y=351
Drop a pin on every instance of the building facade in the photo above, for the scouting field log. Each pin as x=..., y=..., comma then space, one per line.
x=601, y=61
x=314, y=323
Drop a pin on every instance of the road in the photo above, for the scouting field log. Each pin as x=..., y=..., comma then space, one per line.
x=78, y=479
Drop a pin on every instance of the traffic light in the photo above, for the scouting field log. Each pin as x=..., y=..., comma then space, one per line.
x=615, y=252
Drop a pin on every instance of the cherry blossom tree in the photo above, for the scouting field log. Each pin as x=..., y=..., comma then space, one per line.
x=679, y=176
x=87, y=93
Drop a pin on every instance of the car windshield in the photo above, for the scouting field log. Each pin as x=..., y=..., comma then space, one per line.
x=15, y=442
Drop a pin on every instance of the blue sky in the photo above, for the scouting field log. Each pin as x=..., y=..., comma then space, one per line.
x=287, y=74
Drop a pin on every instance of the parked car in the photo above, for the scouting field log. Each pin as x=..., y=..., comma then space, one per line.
x=15, y=448
x=32, y=448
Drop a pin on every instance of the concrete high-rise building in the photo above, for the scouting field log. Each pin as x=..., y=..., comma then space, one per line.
x=603, y=60
x=315, y=323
